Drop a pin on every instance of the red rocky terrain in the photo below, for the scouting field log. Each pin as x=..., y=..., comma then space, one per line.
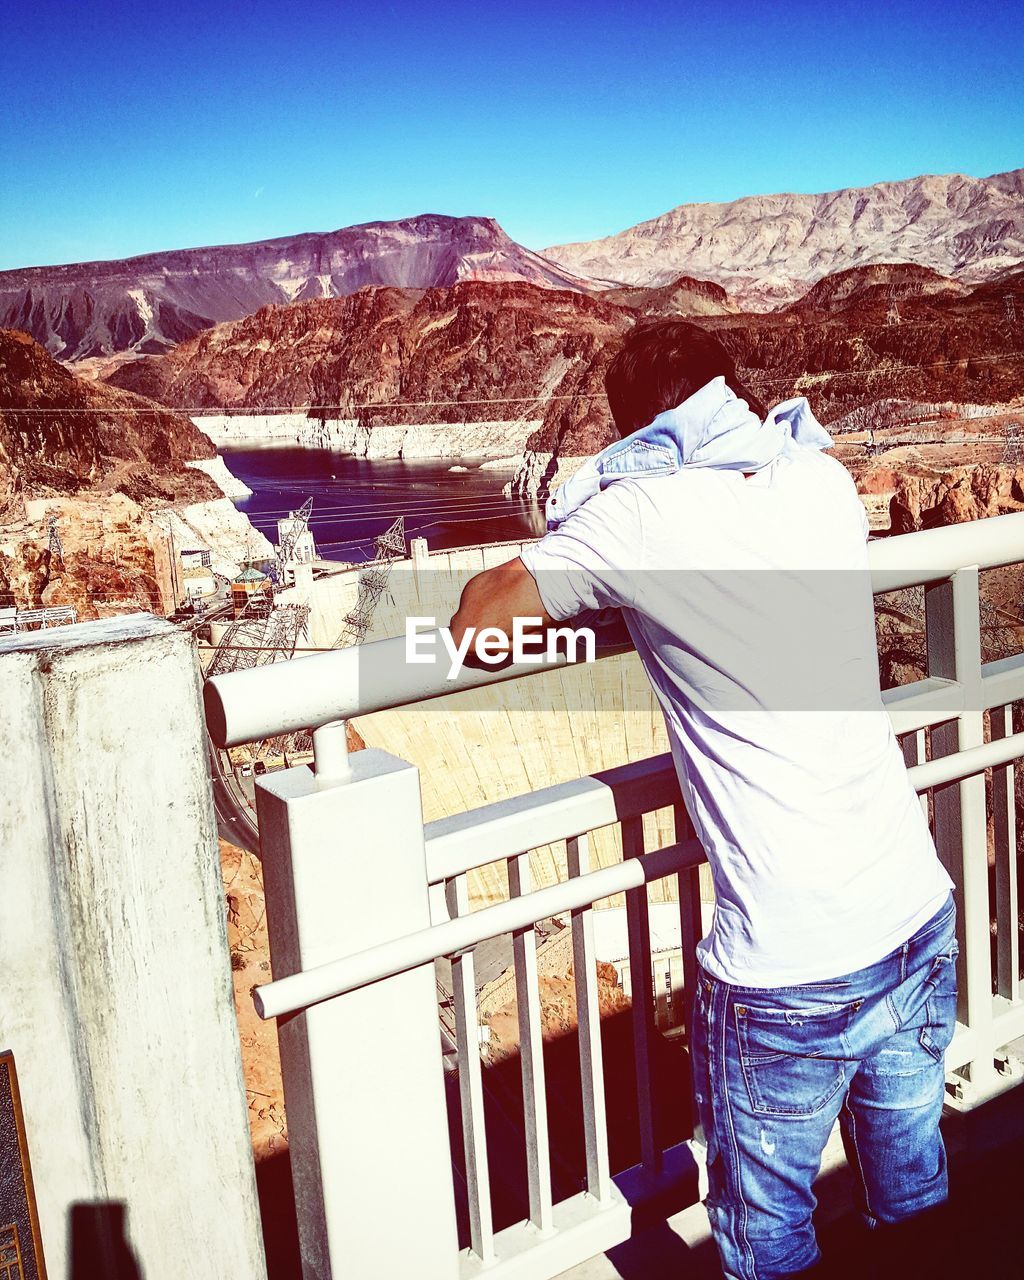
x=858, y=342
x=507, y=351
x=100, y=458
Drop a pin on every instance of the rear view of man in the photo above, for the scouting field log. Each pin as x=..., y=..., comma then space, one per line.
x=736, y=550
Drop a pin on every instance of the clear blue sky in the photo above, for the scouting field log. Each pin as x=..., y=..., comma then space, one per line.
x=127, y=128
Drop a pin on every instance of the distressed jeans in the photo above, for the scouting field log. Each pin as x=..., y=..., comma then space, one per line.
x=774, y=1068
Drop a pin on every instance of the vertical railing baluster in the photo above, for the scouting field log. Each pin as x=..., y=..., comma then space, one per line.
x=914, y=748
x=953, y=637
x=1005, y=832
x=691, y=930
x=531, y=1054
x=471, y=1089
x=588, y=1023
x=644, y=1030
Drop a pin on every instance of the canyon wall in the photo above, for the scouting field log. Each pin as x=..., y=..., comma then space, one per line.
x=99, y=490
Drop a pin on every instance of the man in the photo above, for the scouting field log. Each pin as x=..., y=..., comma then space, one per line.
x=736, y=550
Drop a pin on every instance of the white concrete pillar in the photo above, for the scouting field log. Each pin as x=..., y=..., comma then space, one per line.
x=116, y=990
x=303, y=581
x=344, y=868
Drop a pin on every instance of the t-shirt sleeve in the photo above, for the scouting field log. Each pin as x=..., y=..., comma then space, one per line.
x=588, y=562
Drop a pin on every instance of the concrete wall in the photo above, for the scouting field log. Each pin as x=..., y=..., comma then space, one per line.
x=116, y=993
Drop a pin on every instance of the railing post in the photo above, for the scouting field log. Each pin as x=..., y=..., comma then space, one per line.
x=953, y=633
x=344, y=869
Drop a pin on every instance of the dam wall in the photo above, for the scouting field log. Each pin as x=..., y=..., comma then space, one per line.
x=489, y=440
x=490, y=744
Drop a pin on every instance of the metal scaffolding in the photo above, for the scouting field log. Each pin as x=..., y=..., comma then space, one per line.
x=54, y=542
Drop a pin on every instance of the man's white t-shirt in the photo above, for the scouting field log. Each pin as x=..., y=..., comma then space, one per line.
x=749, y=602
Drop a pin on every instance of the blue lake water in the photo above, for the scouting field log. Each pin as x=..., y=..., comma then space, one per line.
x=355, y=500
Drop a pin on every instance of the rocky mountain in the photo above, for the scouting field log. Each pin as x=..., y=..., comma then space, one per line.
x=884, y=285
x=767, y=250
x=148, y=304
x=684, y=297
x=863, y=340
x=471, y=353
x=874, y=335
x=60, y=434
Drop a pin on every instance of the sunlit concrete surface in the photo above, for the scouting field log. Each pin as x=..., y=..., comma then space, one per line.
x=116, y=995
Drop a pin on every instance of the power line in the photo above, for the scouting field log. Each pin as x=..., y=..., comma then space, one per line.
x=323, y=409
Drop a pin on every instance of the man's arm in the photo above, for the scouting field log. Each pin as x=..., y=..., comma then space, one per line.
x=495, y=598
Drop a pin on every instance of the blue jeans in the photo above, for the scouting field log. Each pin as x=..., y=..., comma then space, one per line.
x=773, y=1068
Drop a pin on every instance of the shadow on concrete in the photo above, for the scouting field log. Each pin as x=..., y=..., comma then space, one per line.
x=977, y=1233
x=98, y=1244
x=277, y=1211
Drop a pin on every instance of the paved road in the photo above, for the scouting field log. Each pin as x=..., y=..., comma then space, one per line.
x=235, y=819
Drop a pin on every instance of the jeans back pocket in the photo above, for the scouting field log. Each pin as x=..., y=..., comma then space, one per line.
x=793, y=1060
x=940, y=1006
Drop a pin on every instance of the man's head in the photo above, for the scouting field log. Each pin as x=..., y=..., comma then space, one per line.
x=662, y=364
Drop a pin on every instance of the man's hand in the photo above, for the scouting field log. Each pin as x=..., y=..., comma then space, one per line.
x=495, y=598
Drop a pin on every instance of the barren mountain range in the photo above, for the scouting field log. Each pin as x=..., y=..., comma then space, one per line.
x=763, y=251
x=148, y=304
x=767, y=250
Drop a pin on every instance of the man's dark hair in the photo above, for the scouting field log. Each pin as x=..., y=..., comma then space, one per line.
x=660, y=365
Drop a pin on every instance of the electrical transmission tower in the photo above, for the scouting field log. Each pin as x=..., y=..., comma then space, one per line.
x=1011, y=309
x=55, y=544
x=295, y=527
x=373, y=578
x=256, y=638
x=893, y=316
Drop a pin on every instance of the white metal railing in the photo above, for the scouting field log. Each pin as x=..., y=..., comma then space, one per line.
x=363, y=897
x=15, y=620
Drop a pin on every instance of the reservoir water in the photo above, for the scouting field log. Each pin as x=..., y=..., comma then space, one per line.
x=355, y=500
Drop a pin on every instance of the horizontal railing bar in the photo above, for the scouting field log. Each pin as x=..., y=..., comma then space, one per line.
x=303, y=693
x=559, y=812
x=966, y=764
x=1002, y=681
x=323, y=982
x=300, y=990
x=923, y=703
x=503, y=828
x=913, y=559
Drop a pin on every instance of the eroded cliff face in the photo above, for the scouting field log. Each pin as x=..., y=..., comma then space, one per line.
x=61, y=435
x=483, y=369
x=101, y=467
x=928, y=500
